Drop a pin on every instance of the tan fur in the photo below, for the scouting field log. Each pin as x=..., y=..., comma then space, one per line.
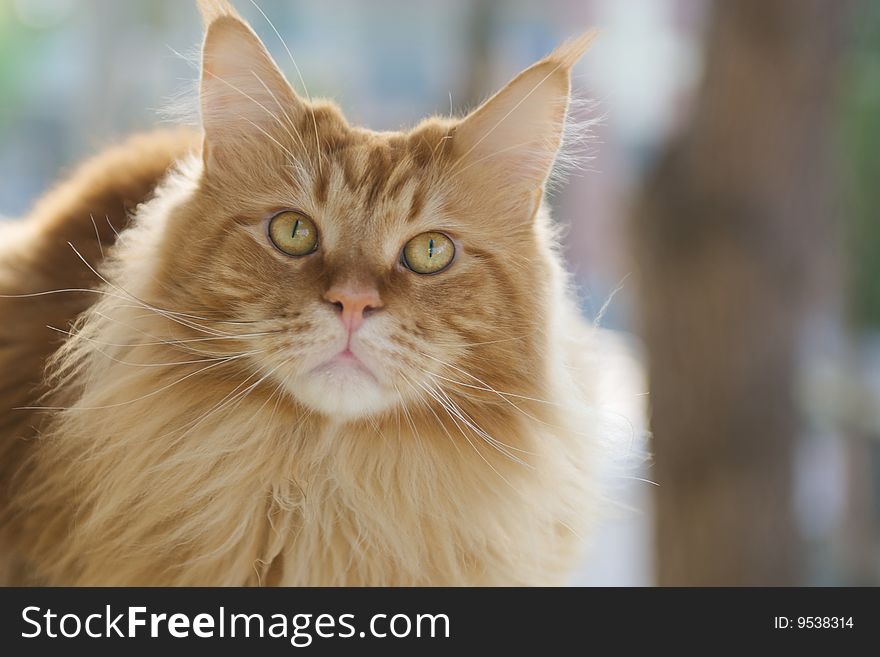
x=187, y=442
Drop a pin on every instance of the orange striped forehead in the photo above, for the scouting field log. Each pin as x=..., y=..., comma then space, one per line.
x=369, y=189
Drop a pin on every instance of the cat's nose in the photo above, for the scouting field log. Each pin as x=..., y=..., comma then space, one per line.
x=353, y=304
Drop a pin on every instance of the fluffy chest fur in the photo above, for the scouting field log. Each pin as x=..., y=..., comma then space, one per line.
x=225, y=483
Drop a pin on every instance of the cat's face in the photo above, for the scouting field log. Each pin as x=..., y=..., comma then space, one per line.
x=363, y=270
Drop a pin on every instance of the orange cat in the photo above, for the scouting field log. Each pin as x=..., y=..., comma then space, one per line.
x=318, y=354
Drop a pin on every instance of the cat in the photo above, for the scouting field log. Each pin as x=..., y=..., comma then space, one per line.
x=292, y=351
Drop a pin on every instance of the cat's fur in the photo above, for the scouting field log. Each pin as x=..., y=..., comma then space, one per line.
x=189, y=440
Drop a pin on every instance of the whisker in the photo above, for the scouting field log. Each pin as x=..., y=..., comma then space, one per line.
x=283, y=111
x=143, y=332
x=601, y=314
x=168, y=364
x=491, y=389
x=229, y=399
x=511, y=111
x=454, y=411
x=170, y=342
x=131, y=401
x=464, y=435
x=97, y=235
x=408, y=416
x=112, y=227
x=141, y=301
x=459, y=171
x=250, y=98
x=155, y=311
x=491, y=440
x=301, y=80
x=284, y=148
x=434, y=413
x=487, y=387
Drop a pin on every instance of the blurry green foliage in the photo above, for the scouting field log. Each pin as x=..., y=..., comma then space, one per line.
x=861, y=133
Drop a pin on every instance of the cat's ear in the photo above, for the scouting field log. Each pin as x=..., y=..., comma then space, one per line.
x=510, y=142
x=244, y=96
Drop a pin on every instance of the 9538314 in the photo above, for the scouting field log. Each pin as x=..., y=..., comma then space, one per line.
x=813, y=622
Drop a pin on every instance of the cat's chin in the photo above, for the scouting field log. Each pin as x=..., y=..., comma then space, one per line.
x=342, y=388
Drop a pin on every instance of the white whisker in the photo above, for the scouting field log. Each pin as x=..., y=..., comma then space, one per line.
x=464, y=435
x=301, y=80
x=97, y=235
x=131, y=401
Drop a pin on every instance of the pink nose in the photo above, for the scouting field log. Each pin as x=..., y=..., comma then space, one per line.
x=354, y=303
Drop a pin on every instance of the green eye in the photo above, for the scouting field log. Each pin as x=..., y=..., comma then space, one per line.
x=428, y=253
x=294, y=233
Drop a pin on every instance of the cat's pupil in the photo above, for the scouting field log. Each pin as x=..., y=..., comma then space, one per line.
x=295, y=227
x=430, y=248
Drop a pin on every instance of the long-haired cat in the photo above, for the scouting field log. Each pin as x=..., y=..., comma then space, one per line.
x=315, y=354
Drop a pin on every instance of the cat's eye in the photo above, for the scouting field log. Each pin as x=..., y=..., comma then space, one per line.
x=428, y=253
x=293, y=233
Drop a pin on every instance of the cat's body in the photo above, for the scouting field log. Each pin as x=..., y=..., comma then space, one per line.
x=200, y=429
x=87, y=211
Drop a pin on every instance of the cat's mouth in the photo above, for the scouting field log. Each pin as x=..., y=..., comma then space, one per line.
x=344, y=385
x=344, y=366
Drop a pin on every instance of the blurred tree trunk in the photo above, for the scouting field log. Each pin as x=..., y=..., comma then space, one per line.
x=481, y=16
x=726, y=236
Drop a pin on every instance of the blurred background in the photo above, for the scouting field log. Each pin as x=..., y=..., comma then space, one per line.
x=730, y=205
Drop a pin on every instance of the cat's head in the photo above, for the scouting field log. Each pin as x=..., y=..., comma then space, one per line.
x=364, y=268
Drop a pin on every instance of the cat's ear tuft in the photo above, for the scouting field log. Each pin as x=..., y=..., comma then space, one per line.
x=244, y=96
x=510, y=142
x=569, y=53
x=214, y=9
